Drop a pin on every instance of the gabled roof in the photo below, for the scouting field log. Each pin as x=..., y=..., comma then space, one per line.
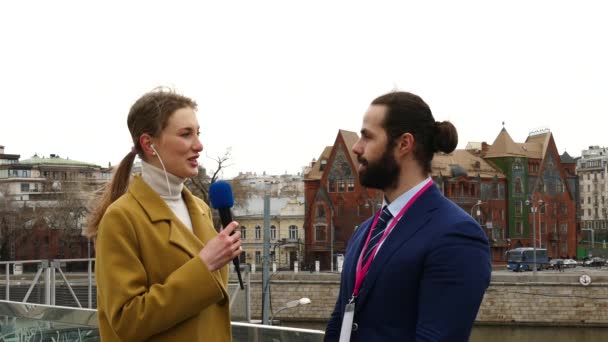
x=315, y=172
x=463, y=161
x=567, y=159
x=536, y=145
x=349, y=138
x=504, y=146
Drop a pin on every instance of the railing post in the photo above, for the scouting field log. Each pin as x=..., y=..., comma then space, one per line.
x=90, y=284
x=90, y=276
x=47, y=282
x=52, y=265
x=8, y=282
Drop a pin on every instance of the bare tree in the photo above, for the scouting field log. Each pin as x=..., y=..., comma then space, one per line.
x=199, y=185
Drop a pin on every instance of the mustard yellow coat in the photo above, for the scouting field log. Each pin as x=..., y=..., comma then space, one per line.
x=151, y=284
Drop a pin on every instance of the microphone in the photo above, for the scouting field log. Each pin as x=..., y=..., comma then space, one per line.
x=220, y=194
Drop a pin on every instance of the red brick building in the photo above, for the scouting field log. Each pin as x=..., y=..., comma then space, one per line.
x=336, y=203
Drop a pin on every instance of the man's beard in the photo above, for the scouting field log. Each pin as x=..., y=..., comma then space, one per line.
x=381, y=174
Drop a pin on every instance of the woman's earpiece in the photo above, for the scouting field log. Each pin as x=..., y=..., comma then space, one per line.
x=153, y=150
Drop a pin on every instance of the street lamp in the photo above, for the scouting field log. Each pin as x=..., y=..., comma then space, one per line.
x=478, y=204
x=292, y=304
x=533, y=209
x=541, y=204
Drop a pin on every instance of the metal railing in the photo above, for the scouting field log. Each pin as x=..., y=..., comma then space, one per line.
x=49, y=268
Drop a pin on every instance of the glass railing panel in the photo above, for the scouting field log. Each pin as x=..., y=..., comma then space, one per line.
x=25, y=322
x=26, y=330
x=245, y=332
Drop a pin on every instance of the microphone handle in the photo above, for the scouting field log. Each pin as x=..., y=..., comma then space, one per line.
x=226, y=218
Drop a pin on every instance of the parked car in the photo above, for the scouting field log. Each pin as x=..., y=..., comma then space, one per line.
x=570, y=263
x=594, y=262
x=553, y=263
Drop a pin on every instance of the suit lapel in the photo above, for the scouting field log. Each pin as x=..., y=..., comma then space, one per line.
x=357, y=243
x=412, y=221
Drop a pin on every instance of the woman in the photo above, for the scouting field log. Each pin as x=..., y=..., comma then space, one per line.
x=160, y=266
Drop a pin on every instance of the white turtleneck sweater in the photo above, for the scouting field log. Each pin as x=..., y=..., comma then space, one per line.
x=155, y=178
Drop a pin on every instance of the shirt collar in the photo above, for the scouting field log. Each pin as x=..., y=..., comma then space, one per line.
x=400, y=202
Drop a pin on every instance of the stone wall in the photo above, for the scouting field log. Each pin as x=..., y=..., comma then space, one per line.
x=545, y=303
x=512, y=299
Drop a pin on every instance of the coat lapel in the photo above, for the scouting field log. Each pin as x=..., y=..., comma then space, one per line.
x=157, y=210
x=179, y=235
x=412, y=221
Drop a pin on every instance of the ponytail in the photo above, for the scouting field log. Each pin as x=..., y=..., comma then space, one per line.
x=111, y=192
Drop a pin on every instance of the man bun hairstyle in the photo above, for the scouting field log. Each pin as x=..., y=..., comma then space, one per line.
x=408, y=113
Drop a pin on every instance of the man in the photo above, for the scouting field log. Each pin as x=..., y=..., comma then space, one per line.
x=418, y=269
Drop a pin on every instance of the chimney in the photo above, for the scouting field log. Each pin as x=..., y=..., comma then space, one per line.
x=484, y=146
x=1, y=149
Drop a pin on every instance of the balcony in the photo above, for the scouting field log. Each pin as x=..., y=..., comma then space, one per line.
x=464, y=200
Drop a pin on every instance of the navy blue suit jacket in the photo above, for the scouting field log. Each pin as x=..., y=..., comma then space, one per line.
x=427, y=280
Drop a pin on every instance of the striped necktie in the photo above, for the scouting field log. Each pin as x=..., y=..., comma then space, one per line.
x=377, y=233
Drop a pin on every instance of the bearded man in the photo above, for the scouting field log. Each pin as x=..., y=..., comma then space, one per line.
x=418, y=269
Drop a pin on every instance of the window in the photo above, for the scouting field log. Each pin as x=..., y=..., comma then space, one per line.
x=564, y=248
x=588, y=199
x=25, y=187
x=502, y=214
x=341, y=185
x=243, y=232
x=518, y=188
x=293, y=232
x=350, y=185
x=258, y=232
x=519, y=208
x=273, y=232
x=320, y=232
x=323, y=165
x=331, y=186
x=563, y=227
x=320, y=210
x=258, y=257
x=519, y=228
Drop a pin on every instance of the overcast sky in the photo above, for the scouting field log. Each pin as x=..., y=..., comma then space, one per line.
x=276, y=80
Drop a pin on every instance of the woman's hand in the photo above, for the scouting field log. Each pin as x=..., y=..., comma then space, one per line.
x=222, y=248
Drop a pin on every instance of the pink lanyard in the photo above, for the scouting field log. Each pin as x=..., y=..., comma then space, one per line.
x=362, y=269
